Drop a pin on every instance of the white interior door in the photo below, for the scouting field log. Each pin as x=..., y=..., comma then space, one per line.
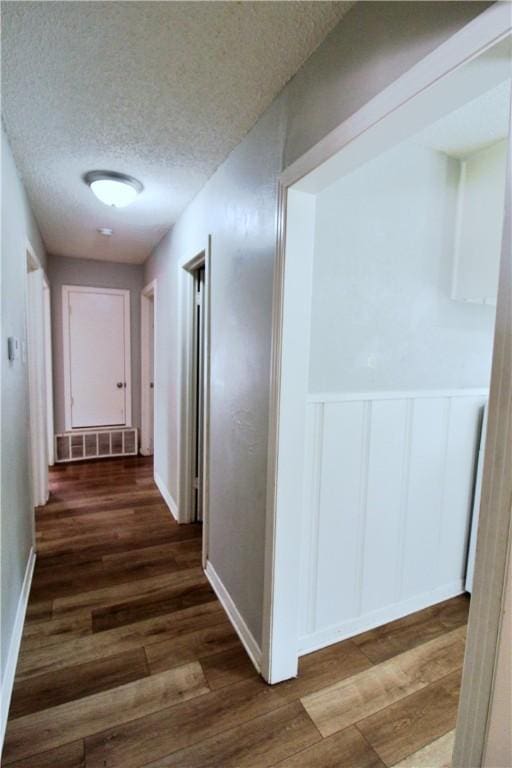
x=98, y=371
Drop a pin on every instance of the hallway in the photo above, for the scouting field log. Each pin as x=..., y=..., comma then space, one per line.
x=129, y=660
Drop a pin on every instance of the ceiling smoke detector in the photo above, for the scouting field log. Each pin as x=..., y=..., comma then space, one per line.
x=113, y=189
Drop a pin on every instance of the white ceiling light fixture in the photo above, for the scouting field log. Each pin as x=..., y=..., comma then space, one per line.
x=113, y=189
x=105, y=231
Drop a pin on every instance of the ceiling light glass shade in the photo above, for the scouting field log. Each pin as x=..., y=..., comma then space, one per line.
x=114, y=193
x=113, y=189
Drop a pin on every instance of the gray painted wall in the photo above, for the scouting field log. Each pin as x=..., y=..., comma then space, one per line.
x=95, y=274
x=17, y=514
x=371, y=47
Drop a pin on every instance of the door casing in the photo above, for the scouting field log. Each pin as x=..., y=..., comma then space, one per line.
x=148, y=308
x=188, y=394
x=37, y=383
x=48, y=362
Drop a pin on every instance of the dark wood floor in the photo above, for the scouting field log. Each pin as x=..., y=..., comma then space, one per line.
x=128, y=660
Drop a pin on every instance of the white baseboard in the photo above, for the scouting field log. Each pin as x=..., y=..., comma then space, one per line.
x=337, y=633
x=239, y=625
x=14, y=645
x=167, y=496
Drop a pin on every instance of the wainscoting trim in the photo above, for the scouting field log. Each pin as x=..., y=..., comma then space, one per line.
x=386, y=509
x=376, y=395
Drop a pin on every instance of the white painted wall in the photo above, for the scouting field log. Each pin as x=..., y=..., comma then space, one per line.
x=93, y=274
x=480, y=224
x=17, y=515
x=382, y=316
x=237, y=207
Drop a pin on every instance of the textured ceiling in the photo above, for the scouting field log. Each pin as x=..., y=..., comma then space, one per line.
x=477, y=124
x=159, y=90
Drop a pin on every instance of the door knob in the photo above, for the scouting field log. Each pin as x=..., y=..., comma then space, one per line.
x=119, y=385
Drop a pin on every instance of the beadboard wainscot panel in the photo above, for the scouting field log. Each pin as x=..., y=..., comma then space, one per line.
x=388, y=492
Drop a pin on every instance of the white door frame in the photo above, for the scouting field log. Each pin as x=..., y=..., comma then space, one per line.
x=188, y=394
x=148, y=301
x=66, y=290
x=48, y=362
x=290, y=368
x=35, y=320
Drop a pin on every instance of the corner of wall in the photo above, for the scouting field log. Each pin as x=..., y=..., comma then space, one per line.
x=167, y=496
x=244, y=633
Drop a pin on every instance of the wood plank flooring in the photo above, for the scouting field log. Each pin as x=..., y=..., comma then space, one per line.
x=128, y=659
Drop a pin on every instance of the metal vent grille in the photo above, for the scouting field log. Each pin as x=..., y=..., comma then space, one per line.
x=92, y=444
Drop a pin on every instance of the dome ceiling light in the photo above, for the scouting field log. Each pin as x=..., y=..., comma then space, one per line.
x=113, y=189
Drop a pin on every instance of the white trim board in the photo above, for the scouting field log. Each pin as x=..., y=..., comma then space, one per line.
x=167, y=496
x=409, y=394
x=233, y=614
x=337, y=633
x=48, y=363
x=206, y=409
x=14, y=645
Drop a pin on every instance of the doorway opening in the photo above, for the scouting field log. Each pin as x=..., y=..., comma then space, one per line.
x=392, y=247
x=367, y=447
x=198, y=415
x=194, y=497
x=148, y=365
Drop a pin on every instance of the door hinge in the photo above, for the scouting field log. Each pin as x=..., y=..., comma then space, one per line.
x=196, y=483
